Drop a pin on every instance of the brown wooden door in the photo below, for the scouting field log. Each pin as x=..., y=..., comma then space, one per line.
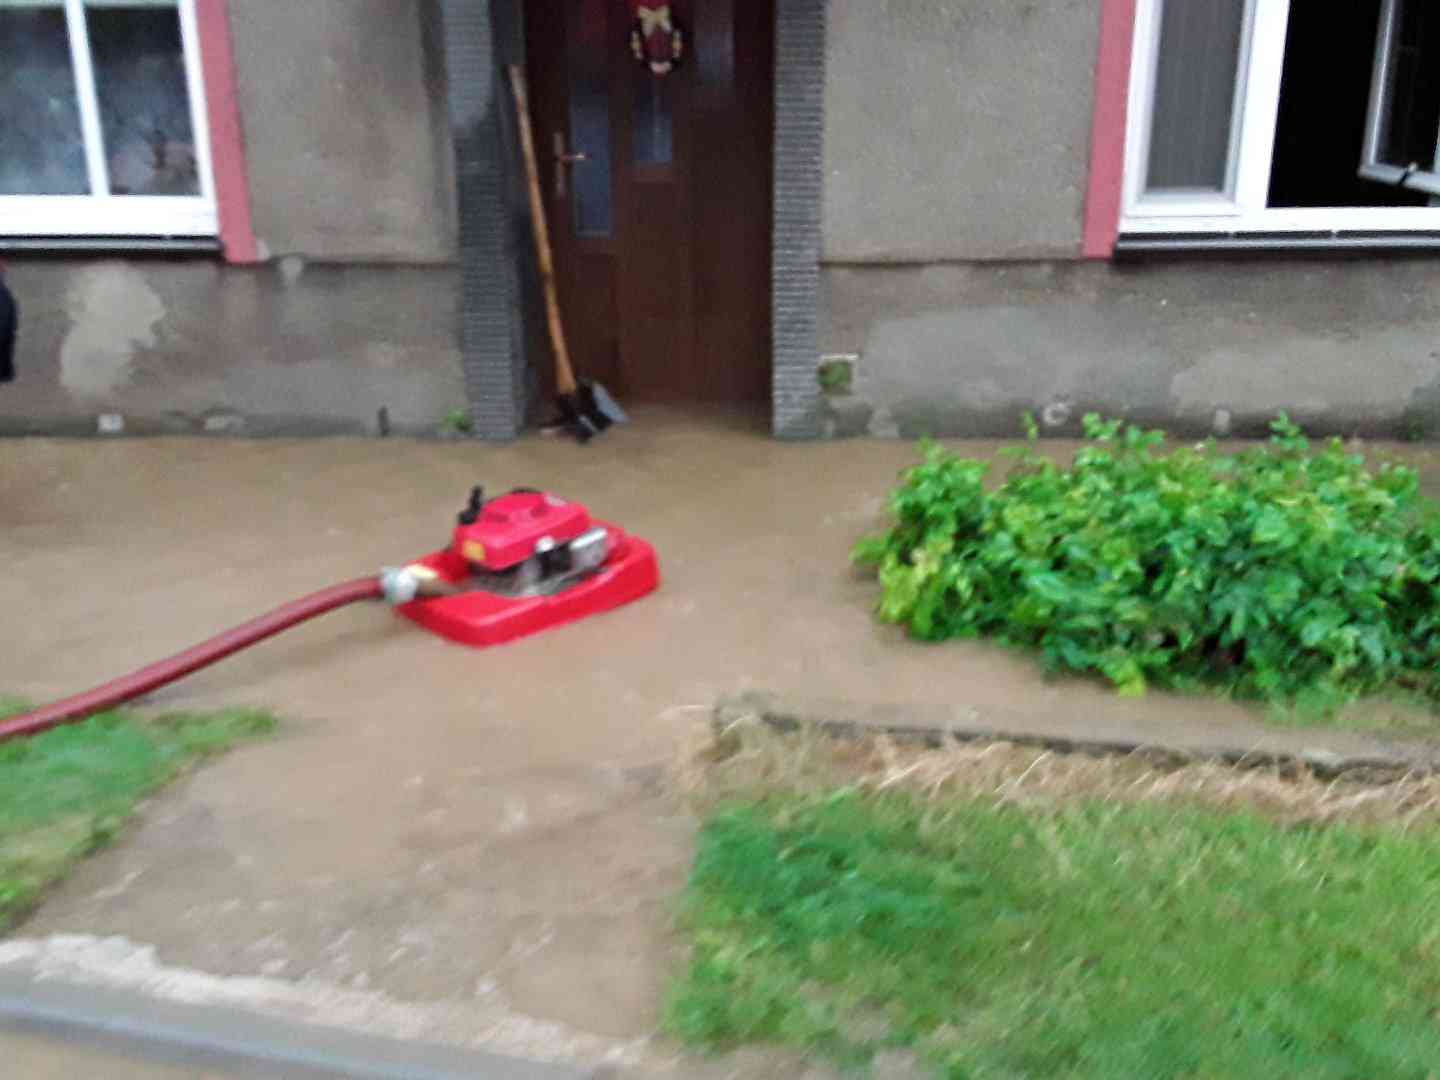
x=657, y=191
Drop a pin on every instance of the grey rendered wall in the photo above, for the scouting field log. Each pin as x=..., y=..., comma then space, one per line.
x=1215, y=346
x=957, y=129
x=190, y=346
x=347, y=140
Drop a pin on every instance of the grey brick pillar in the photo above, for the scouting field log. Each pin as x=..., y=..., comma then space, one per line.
x=489, y=317
x=799, y=178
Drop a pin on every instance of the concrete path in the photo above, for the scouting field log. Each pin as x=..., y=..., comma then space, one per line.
x=77, y=1032
x=468, y=847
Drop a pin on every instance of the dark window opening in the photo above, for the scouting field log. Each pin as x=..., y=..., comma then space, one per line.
x=1324, y=101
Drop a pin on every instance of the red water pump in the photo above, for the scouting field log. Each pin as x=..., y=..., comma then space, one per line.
x=517, y=564
x=522, y=563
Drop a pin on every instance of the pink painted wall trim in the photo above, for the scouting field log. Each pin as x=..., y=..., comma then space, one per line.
x=227, y=139
x=1107, y=135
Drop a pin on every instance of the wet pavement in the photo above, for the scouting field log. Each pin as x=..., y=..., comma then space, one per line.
x=475, y=842
x=33, y=1057
x=52, y=1028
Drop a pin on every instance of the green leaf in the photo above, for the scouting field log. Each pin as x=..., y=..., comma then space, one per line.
x=1278, y=572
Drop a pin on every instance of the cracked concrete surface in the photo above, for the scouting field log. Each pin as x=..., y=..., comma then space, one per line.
x=477, y=836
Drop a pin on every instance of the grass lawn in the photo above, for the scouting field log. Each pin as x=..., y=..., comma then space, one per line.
x=67, y=792
x=1083, y=938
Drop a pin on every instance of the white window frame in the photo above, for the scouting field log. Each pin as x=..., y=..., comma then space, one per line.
x=1242, y=209
x=100, y=214
x=1424, y=178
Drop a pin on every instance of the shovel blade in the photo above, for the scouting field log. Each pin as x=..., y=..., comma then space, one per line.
x=604, y=405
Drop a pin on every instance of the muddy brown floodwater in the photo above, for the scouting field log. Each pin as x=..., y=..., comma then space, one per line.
x=474, y=836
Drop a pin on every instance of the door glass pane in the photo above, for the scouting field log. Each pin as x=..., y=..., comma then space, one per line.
x=1414, y=98
x=42, y=149
x=144, y=102
x=654, y=125
x=587, y=36
x=1195, y=88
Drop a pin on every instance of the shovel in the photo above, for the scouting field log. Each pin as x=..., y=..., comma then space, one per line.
x=586, y=407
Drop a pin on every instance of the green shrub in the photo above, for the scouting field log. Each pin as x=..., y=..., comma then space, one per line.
x=457, y=422
x=1277, y=573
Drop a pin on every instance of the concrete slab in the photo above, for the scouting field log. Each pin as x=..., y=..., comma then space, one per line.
x=1326, y=753
x=473, y=840
x=60, y=1030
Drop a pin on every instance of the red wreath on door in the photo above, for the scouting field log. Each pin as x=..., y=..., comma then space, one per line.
x=657, y=39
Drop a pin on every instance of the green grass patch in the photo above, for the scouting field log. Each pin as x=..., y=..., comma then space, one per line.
x=1082, y=940
x=67, y=792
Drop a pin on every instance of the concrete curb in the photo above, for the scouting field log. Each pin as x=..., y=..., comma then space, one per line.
x=1339, y=754
x=141, y=1027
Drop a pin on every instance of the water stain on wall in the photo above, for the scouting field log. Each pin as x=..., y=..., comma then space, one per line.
x=113, y=313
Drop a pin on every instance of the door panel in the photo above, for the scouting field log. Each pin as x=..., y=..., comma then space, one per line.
x=571, y=90
x=656, y=284
x=588, y=172
x=658, y=194
x=653, y=126
x=732, y=208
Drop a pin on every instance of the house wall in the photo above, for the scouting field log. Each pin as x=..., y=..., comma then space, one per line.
x=346, y=137
x=957, y=130
x=1222, y=346
x=354, y=309
x=956, y=160
x=191, y=346
x=956, y=143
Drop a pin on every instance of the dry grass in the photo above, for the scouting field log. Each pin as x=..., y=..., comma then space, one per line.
x=748, y=757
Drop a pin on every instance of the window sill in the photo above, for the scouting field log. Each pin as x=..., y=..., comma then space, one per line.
x=1140, y=244
x=1279, y=221
x=129, y=245
x=84, y=216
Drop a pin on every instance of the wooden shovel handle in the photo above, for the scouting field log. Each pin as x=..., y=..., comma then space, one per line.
x=564, y=373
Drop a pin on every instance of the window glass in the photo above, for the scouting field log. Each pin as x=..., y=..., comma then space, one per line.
x=654, y=120
x=42, y=148
x=588, y=29
x=144, y=106
x=1194, y=103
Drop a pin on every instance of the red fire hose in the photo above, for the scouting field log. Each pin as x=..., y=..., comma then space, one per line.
x=129, y=687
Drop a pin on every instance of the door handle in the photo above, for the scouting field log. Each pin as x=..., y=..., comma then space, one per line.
x=563, y=161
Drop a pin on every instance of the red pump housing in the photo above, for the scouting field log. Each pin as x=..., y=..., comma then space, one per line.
x=502, y=533
x=526, y=562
